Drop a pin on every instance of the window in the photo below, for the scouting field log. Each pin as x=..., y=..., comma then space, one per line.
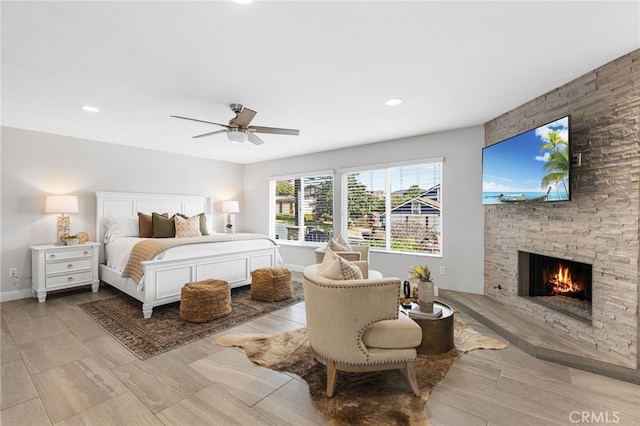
x=395, y=208
x=303, y=208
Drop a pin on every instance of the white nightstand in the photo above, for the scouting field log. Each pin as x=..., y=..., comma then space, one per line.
x=60, y=267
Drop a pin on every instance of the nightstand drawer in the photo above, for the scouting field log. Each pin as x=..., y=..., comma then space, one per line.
x=68, y=254
x=69, y=279
x=68, y=266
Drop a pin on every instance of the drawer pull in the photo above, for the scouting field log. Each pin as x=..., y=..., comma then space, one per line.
x=70, y=279
x=69, y=266
x=86, y=252
x=52, y=256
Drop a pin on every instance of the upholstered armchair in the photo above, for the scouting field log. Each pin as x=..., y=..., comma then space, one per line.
x=358, y=253
x=354, y=325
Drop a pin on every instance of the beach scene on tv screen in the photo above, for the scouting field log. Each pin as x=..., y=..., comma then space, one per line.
x=530, y=167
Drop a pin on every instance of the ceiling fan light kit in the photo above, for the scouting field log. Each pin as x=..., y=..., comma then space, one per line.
x=237, y=135
x=238, y=130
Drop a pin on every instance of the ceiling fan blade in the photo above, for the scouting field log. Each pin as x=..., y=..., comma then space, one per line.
x=254, y=139
x=200, y=121
x=210, y=134
x=260, y=129
x=244, y=118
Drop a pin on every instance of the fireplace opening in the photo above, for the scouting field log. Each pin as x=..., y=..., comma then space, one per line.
x=560, y=284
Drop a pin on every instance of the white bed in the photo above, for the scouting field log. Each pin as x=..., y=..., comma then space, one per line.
x=165, y=276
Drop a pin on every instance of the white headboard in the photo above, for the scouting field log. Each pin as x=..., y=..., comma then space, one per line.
x=129, y=204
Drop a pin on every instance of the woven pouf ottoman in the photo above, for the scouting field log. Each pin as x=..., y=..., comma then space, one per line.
x=203, y=301
x=270, y=284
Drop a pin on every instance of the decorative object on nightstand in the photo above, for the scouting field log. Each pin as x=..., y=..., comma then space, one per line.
x=56, y=267
x=425, y=293
x=230, y=208
x=83, y=237
x=72, y=240
x=62, y=204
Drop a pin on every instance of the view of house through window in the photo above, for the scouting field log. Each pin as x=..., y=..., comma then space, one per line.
x=304, y=208
x=396, y=208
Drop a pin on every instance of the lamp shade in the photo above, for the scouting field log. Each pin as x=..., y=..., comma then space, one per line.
x=230, y=207
x=61, y=204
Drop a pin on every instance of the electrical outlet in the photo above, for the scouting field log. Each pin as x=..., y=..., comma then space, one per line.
x=13, y=272
x=443, y=270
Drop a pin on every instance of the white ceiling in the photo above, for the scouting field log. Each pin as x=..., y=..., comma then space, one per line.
x=319, y=66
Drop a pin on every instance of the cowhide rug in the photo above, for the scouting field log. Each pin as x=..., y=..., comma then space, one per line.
x=375, y=398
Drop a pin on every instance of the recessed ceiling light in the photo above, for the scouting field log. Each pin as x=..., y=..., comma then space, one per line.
x=90, y=108
x=393, y=101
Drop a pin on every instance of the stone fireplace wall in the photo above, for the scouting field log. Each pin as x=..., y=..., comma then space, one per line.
x=599, y=226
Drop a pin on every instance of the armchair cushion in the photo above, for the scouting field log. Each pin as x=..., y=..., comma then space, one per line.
x=393, y=334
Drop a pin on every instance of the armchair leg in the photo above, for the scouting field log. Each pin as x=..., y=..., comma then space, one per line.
x=411, y=377
x=331, y=378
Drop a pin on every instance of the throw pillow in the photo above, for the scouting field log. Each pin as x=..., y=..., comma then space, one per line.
x=337, y=245
x=187, y=227
x=344, y=243
x=145, y=224
x=203, y=222
x=350, y=271
x=163, y=227
x=329, y=258
x=341, y=269
x=120, y=226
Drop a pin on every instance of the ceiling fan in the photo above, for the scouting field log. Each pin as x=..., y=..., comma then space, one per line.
x=238, y=130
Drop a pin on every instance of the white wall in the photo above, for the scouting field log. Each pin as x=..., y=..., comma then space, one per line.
x=34, y=165
x=463, y=218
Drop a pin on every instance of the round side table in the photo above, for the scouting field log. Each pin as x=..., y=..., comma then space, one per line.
x=437, y=333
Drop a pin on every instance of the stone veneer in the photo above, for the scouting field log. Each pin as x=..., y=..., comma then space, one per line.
x=599, y=226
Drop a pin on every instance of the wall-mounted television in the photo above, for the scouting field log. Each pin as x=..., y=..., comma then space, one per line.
x=531, y=167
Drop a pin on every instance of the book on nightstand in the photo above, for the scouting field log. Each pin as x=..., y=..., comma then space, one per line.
x=418, y=314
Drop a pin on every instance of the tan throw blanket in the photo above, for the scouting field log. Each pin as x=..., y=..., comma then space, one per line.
x=149, y=249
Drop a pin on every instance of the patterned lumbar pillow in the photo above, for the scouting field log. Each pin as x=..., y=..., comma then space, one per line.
x=350, y=271
x=187, y=227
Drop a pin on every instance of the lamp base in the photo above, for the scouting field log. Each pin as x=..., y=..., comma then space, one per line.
x=63, y=229
x=231, y=224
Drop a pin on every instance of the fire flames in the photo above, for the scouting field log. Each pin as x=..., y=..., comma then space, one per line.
x=562, y=283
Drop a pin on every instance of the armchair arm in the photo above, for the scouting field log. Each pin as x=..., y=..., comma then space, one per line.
x=363, y=250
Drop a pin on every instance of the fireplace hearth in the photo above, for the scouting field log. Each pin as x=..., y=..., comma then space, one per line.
x=560, y=284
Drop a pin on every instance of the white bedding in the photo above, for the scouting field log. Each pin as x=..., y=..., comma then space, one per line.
x=119, y=249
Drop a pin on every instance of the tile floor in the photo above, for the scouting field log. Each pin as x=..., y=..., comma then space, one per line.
x=59, y=368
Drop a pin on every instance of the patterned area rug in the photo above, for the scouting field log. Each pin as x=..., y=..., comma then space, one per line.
x=121, y=316
x=367, y=399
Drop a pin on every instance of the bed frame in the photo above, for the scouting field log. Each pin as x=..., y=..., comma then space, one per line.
x=164, y=279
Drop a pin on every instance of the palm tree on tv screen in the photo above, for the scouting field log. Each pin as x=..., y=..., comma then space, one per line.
x=557, y=164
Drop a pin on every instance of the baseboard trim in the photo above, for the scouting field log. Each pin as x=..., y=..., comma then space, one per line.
x=23, y=293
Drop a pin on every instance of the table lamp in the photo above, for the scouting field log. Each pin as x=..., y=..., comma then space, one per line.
x=62, y=204
x=231, y=207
